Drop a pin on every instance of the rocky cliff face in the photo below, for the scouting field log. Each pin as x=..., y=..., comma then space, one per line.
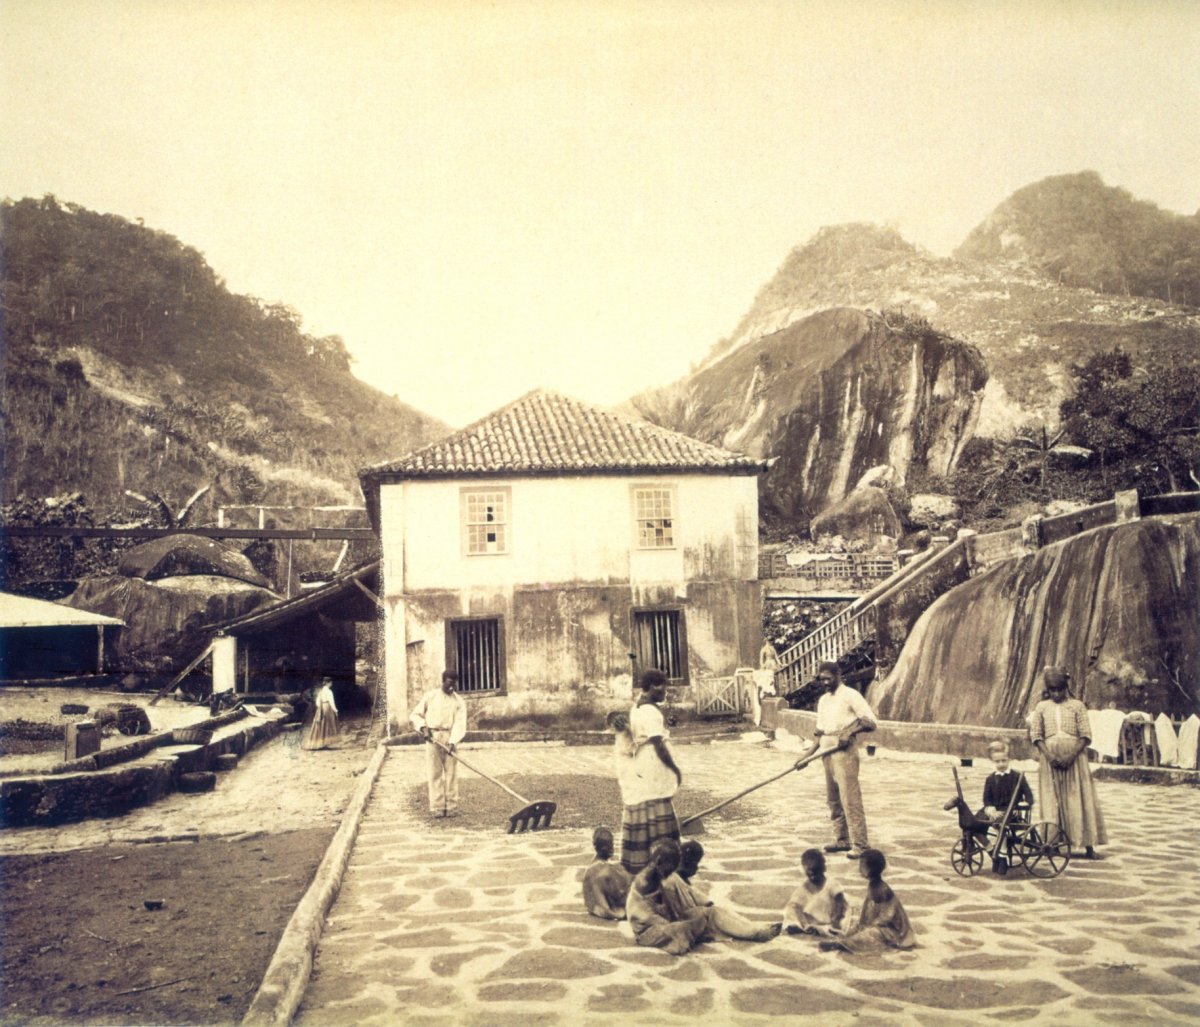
x=1029, y=322
x=1116, y=606
x=832, y=396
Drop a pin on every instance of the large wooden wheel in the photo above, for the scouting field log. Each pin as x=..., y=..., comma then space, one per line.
x=967, y=856
x=1044, y=849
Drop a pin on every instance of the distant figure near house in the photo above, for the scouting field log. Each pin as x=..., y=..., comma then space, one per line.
x=441, y=719
x=764, y=678
x=323, y=727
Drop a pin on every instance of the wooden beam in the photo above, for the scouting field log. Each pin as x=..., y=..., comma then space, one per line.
x=368, y=593
x=71, y=531
x=182, y=674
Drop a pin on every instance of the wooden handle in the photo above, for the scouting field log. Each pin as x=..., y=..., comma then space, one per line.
x=800, y=764
x=476, y=770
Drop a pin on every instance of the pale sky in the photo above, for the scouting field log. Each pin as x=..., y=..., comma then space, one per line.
x=484, y=198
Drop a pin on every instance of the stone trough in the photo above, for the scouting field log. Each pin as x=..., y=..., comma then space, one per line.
x=114, y=780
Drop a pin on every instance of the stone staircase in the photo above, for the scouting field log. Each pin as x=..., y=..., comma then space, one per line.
x=946, y=564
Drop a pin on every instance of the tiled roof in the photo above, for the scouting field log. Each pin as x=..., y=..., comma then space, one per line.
x=547, y=433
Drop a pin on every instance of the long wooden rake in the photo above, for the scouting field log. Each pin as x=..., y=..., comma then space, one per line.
x=695, y=824
x=533, y=816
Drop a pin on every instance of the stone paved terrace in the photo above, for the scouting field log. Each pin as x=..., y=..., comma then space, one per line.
x=444, y=926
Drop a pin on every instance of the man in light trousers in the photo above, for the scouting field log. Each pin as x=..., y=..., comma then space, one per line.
x=441, y=717
x=843, y=714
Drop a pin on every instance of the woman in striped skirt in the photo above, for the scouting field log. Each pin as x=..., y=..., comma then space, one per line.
x=649, y=814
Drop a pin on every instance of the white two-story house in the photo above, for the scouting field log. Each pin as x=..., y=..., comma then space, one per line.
x=537, y=549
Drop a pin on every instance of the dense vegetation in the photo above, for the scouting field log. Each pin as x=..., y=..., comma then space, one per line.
x=1099, y=237
x=129, y=365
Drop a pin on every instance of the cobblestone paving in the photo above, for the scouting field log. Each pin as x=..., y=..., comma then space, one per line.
x=441, y=926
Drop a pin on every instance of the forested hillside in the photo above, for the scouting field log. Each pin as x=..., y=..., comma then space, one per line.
x=129, y=365
x=1085, y=233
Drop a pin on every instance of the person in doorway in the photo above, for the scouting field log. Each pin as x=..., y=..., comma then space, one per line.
x=323, y=727
x=649, y=813
x=842, y=715
x=1061, y=731
x=441, y=719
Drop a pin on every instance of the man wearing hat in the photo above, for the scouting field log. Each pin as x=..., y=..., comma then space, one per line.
x=441, y=719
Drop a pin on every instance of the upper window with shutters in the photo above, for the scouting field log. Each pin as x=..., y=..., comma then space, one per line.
x=485, y=521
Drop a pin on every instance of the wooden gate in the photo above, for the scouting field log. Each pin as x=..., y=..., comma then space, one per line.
x=725, y=697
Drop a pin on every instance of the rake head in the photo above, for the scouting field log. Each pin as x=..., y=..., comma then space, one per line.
x=532, y=818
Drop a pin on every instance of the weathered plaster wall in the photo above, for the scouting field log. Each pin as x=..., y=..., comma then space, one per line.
x=569, y=583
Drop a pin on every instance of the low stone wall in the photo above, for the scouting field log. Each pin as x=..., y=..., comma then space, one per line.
x=960, y=740
x=116, y=780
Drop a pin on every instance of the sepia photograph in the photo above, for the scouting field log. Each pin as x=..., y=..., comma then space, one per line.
x=599, y=512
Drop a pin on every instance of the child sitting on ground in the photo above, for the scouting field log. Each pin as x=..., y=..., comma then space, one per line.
x=690, y=854
x=656, y=922
x=883, y=923
x=819, y=905
x=681, y=895
x=605, y=884
x=1000, y=785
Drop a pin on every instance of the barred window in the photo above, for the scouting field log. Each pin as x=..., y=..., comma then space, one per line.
x=485, y=521
x=654, y=517
x=659, y=640
x=475, y=648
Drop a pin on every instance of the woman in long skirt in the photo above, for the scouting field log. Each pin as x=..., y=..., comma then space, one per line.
x=323, y=727
x=649, y=813
x=1061, y=731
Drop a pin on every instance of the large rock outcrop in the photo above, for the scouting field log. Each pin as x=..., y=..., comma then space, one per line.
x=177, y=555
x=1116, y=606
x=166, y=621
x=831, y=397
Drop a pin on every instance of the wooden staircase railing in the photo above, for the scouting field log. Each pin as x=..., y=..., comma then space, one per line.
x=847, y=629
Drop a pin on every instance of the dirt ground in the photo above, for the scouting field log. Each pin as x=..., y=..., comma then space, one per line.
x=80, y=946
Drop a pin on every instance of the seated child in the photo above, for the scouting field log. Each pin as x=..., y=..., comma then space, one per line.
x=681, y=896
x=819, y=905
x=1000, y=784
x=883, y=923
x=605, y=884
x=690, y=854
x=656, y=922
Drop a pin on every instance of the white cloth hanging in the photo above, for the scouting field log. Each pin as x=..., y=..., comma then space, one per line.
x=1106, y=731
x=1186, y=753
x=1166, y=739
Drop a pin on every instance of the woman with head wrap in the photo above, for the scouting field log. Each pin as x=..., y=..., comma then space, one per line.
x=1061, y=731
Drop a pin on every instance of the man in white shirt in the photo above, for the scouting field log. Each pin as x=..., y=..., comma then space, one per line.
x=441, y=716
x=843, y=714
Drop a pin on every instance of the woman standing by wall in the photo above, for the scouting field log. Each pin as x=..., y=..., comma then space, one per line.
x=1061, y=731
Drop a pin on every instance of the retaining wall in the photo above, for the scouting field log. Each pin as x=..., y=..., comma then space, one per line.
x=116, y=780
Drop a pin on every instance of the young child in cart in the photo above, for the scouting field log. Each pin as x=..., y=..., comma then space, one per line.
x=819, y=905
x=1000, y=784
x=883, y=923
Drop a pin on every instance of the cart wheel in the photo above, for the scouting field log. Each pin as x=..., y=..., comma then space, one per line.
x=1044, y=849
x=967, y=857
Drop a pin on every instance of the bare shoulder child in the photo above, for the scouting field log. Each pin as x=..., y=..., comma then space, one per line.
x=605, y=884
x=883, y=923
